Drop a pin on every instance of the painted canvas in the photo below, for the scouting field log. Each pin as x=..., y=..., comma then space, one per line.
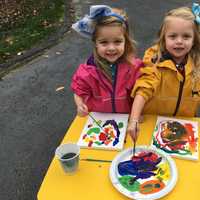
x=149, y=174
x=104, y=131
x=177, y=137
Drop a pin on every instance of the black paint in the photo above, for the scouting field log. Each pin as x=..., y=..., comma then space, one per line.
x=68, y=156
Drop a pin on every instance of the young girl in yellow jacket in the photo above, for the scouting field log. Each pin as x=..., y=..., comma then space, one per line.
x=170, y=82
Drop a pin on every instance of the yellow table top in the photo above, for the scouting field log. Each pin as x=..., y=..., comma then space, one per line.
x=92, y=181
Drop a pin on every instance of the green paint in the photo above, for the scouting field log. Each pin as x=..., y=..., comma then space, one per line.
x=159, y=178
x=120, y=125
x=98, y=143
x=125, y=181
x=157, y=185
x=180, y=151
x=180, y=131
x=155, y=142
x=156, y=129
x=162, y=172
x=148, y=188
x=93, y=130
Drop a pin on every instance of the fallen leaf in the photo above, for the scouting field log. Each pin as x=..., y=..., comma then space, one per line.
x=46, y=56
x=60, y=88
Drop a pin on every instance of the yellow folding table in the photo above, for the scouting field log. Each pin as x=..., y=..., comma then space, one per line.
x=92, y=181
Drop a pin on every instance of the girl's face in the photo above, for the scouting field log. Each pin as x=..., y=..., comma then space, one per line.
x=179, y=38
x=110, y=43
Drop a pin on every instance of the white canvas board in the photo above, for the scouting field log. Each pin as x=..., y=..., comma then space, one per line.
x=110, y=137
x=177, y=137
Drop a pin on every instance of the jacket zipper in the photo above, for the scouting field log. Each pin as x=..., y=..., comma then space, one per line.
x=179, y=95
x=113, y=93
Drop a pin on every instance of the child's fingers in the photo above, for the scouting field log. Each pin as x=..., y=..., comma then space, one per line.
x=81, y=113
x=82, y=110
x=85, y=108
x=134, y=136
x=133, y=131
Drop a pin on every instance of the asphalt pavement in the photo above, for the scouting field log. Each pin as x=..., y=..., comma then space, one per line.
x=36, y=104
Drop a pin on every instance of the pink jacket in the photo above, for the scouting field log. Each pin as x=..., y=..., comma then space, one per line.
x=99, y=94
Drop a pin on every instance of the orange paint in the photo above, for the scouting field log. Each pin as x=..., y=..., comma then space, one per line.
x=151, y=186
x=191, y=138
x=112, y=134
x=107, y=142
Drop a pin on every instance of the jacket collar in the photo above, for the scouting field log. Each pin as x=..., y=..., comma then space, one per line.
x=168, y=62
x=171, y=65
x=101, y=77
x=97, y=73
x=90, y=61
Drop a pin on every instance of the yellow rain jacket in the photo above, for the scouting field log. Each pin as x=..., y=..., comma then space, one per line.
x=164, y=88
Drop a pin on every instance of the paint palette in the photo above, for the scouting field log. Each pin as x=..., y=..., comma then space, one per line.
x=104, y=131
x=177, y=137
x=150, y=174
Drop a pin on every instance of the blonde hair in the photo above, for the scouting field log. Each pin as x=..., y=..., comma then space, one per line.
x=130, y=44
x=186, y=14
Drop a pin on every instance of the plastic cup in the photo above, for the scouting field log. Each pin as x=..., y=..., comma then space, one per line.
x=68, y=155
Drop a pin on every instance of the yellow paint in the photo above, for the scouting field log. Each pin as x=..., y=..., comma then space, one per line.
x=163, y=171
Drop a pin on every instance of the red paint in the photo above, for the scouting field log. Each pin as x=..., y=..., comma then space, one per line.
x=106, y=130
x=191, y=137
x=84, y=136
x=102, y=137
x=146, y=156
x=90, y=143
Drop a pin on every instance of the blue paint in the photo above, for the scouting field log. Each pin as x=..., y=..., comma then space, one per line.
x=139, y=167
x=116, y=128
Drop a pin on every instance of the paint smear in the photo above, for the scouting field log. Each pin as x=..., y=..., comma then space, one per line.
x=109, y=135
x=145, y=173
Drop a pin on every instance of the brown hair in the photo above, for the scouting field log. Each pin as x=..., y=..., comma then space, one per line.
x=130, y=44
x=186, y=14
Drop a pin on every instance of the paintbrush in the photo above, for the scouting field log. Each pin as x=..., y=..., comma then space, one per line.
x=133, y=179
x=96, y=160
x=135, y=139
x=134, y=144
x=95, y=121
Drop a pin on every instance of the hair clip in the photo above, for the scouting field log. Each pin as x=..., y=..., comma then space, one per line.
x=86, y=25
x=196, y=12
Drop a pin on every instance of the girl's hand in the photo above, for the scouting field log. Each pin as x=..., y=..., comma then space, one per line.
x=135, y=116
x=133, y=129
x=82, y=110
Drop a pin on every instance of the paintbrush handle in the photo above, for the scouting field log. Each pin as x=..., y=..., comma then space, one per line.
x=96, y=160
x=134, y=140
x=95, y=120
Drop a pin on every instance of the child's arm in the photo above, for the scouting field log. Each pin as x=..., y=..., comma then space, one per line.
x=137, y=107
x=82, y=109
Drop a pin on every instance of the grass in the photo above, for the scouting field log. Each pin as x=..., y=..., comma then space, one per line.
x=32, y=29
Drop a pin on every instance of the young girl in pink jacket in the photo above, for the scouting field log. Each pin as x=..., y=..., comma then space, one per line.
x=105, y=81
